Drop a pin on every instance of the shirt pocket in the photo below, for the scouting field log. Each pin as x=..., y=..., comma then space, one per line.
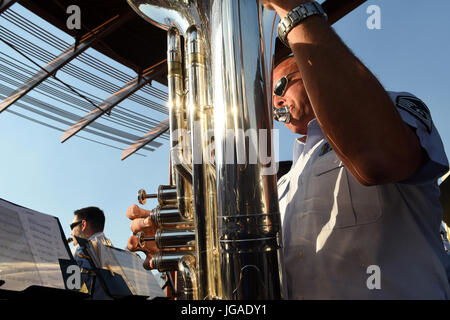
x=328, y=195
x=338, y=197
x=366, y=201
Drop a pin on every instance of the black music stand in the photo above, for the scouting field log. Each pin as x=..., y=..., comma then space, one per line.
x=42, y=293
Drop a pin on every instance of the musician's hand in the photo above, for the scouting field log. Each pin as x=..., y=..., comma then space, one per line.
x=141, y=222
x=134, y=212
x=282, y=7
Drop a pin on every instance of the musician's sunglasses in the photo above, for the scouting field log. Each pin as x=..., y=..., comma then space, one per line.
x=74, y=224
x=281, y=85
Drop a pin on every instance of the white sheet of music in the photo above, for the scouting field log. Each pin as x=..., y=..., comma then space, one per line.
x=129, y=265
x=30, y=246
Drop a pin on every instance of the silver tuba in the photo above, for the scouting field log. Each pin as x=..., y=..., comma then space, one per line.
x=219, y=216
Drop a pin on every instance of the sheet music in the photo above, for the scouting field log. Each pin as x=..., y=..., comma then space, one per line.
x=129, y=265
x=143, y=281
x=30, y=246
x=17, y=265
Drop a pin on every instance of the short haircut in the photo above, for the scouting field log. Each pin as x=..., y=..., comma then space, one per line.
x=94, y=216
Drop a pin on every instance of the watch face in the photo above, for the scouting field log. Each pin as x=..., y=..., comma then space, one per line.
x=297, y=15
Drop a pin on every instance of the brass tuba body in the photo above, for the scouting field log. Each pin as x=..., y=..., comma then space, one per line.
x=220, y=215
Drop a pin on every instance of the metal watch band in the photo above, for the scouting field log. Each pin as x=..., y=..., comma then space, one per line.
x=297, y=15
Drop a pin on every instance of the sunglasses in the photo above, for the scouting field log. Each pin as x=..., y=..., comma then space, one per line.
x=74, y=224
x=281, y=85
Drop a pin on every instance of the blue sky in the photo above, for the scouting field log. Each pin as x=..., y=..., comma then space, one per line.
x=409, y=53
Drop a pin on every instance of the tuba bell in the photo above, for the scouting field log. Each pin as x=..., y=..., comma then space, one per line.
x=219, y=221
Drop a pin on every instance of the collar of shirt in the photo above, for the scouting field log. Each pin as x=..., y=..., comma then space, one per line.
x=97, y=235
x=314, y=135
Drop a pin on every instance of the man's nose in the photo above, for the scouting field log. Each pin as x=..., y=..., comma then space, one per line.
x=278, y=102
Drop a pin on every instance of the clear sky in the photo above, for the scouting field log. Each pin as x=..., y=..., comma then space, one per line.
x=409, y=53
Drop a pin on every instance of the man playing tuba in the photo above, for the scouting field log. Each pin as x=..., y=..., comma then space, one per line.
x=359, y=207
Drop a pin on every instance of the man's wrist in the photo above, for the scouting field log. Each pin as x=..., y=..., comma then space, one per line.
x=297, y=16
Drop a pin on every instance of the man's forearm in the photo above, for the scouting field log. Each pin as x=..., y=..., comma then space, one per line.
x=355, y=112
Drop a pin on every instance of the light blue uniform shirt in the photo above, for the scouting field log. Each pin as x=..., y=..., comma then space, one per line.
x=445, y=239
x=336, y=230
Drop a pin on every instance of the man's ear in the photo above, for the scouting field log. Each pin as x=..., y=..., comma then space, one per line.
x=84, y=225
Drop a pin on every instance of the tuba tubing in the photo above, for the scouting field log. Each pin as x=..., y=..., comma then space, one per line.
x=222, y=166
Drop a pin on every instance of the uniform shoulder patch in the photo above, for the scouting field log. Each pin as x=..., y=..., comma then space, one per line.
x=417, y=108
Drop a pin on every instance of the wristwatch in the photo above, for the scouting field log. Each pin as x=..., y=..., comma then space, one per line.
x=297, y=15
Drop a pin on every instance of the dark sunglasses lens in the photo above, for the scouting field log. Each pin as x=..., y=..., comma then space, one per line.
x=73, y=225
x=280, y=87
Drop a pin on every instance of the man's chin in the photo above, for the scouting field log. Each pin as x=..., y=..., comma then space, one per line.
x=296, y=128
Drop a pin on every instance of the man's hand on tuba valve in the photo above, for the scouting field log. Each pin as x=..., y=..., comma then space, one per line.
x=141, y=222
